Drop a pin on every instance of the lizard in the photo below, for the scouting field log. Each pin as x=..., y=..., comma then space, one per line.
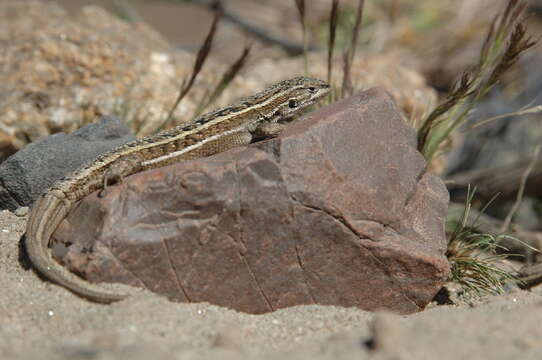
x=253, y=118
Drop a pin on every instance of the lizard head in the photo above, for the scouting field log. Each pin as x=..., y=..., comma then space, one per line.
x=283, y=102
x=300, y=93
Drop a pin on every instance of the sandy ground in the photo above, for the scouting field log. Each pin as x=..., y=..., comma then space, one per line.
x=39, y=320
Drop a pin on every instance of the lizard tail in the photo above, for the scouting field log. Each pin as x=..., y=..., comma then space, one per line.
x=46, y=214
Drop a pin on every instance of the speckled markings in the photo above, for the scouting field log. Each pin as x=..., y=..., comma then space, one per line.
x=255, y=117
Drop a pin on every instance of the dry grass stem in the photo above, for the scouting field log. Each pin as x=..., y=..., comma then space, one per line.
x=461, y=89
x=303, y=21
x=301, y=9
x=475, y=264
x=505, y=41
x=333, y=17
x=291, y=47
x=202, y=55
x=226, y=79
x=525, y=111
x=519, y=197
x=348, y=56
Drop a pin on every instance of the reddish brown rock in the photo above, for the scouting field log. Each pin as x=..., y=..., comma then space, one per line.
x=339, y=210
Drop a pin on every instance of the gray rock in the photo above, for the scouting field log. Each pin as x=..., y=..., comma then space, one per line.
x=29, y=172
x=21, y=211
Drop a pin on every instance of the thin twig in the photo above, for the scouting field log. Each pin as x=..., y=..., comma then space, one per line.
x=357, y=27
x=226, y=79
x=519, y=197
x=332, y=33
x=303, y=21
x=521, y=112
x=198, y=65
x=348, y=57
x=291, y=47
x=301, y=8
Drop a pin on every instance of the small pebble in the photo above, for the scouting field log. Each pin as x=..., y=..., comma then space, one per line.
x=21, y=211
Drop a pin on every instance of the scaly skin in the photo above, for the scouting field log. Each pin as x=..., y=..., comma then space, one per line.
x=255, y=117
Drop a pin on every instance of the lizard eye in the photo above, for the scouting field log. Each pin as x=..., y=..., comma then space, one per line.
x=292, y=104
x=312, y=89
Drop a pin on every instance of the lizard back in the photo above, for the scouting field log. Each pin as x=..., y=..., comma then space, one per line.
x=209, y=134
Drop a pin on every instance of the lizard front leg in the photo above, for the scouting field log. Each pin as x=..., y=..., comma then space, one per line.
x=119, y=169
x=270, y=128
